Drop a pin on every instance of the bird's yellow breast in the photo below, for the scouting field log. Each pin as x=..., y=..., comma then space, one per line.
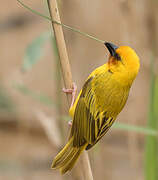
x=111, y=95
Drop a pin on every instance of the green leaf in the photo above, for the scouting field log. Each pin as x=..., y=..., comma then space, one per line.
x=143, y=130
x=35, y=51
x=37, y=96
x=151, y=145
x=6, y=104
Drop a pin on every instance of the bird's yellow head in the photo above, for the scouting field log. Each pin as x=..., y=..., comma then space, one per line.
x=123, y=61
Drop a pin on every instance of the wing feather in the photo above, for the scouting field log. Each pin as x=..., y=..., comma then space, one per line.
x=88, y=122
x=96, y=108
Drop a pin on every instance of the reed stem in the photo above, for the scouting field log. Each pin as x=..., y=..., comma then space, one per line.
x=66, y=71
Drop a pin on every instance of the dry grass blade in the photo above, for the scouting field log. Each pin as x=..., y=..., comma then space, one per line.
x=50, y=126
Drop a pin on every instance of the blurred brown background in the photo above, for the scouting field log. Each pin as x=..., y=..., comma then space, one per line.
x=26, y=148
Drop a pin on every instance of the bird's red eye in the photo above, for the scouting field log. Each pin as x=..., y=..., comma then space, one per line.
x=112, y=60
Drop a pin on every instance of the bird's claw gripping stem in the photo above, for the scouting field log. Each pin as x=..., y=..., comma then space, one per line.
x=70, y=123
x=71, y=91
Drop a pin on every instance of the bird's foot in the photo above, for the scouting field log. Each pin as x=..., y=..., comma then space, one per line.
x=70, y=123
x=71, y=91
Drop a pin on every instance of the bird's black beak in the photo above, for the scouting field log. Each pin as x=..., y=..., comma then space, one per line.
x=112, y=49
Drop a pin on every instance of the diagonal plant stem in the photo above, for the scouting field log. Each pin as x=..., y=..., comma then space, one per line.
x=67, y=76
x=59, y=36
x=62, y=24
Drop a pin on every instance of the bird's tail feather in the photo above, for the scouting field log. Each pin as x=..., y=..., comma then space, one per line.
x=67, y=157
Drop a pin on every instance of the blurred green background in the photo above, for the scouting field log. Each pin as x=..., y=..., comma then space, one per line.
x=33, y=109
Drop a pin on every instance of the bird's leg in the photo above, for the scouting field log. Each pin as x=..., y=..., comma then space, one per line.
x=71, y=91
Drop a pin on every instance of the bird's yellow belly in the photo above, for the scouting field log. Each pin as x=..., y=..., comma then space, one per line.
x=111, y=97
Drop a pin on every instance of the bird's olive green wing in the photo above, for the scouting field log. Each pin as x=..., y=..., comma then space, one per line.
x=89, y=125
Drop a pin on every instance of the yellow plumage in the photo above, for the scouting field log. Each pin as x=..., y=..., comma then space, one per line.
x=101, y=99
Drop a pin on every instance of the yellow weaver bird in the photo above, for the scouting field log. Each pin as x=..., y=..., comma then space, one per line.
x=101, y=99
